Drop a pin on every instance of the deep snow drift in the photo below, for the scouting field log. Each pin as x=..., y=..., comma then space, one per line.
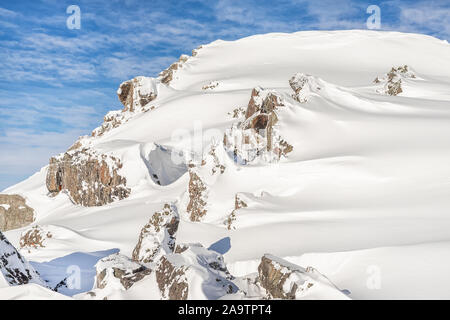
x=325, y=168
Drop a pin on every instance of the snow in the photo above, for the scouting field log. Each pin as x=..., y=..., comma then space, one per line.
x=5, y=206
x=365, y=188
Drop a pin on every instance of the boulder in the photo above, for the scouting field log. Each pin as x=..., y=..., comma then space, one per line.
x=118, y=272
x=14, y=212
x=157, y=237
x=284, y=280
x=137, y=93
x=90, y=178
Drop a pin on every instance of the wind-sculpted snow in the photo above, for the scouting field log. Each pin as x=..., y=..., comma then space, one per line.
x=277, y=143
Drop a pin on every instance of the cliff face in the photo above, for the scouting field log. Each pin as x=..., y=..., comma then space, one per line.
x=14, y=212
x=91, y=179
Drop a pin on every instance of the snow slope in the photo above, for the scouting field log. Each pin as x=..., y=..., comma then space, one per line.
x=363, y=197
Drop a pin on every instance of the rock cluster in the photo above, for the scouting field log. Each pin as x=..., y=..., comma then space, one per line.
x=158, y=236
x=392, y=81
x=197, y=190
x=135, y=95
x=284, y=280
x=254, y=136
x=211, y=85
x=34, y=238
x=238, y=204
x=167, y=75
x=304, y=86
x=91, y=179
x=194, y=266
x=118, y=270
x=14, y=212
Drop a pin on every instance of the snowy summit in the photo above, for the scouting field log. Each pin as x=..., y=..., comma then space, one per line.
x=311, y=165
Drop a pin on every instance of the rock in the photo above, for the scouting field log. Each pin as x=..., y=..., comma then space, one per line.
x=255, y=136
x=91, y=179
x=166, y=76
x=304, y=85
x=238, y=204
x=171, y=280
x=195, y=51
x=195, y=269
x=14, y=212
x=197, y=190
x=118, y=271
x=137, y=93
x=284, y=280
x=211, y=85
x=392, y=81
x=14, y=268
x=34, y=238
x=158, y=236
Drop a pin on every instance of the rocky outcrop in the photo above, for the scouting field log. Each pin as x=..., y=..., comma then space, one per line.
x=393, y=80
x=194, y=269
x=118, y=271
x=34, y=238
x=255, y=135
x=238, y=204
x=172, y=281
x=304, y=86
x=197, y=190
x=91, y=179
x=14, y=269
x=167, y=75
x=135, y=95
x=14, y=212
x=211, y=85
x=158, y=236
x=284, y=280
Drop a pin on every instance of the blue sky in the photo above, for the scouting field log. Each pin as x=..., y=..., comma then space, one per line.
x=56, y=84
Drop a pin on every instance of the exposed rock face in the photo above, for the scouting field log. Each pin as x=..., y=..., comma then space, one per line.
x=284, y=280
x=14, y=268
x=392, y=81
x=167, y=75
x=238, y=204
x=119, y=271
x=172, y=281
x=91, y=179
x=158, y=236
x=195, y=51
x=304, y=85
x=195, y=268
x=255, y=135
x=34, y=238
x=197, y=189
x=137, y=93
x=14, y=213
